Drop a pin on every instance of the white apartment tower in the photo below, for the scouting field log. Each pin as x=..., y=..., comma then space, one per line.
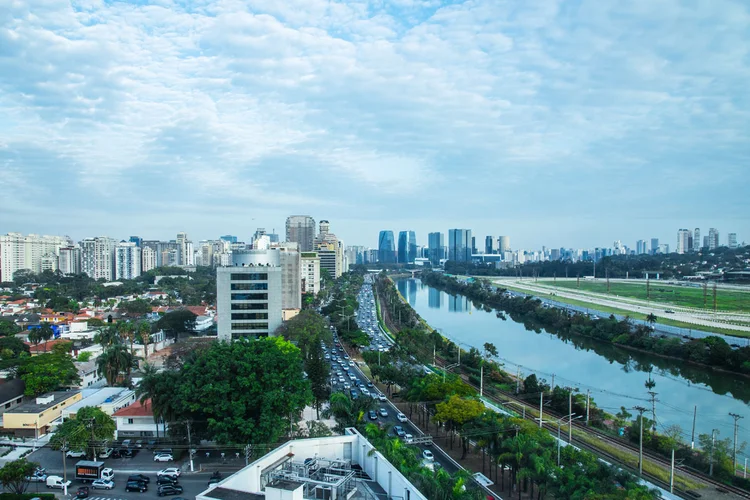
x=310, y=272
x=291, y=279
x=25, y=252
x=69, y=261
x=249, y=295
x=186, y=257
x=127, y=261
x=683, y=240
x=148, y=259
x=98, y=257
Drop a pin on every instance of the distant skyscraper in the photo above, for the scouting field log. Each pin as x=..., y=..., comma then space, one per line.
x=25, y=252
x=683, y=241
x=148, y=259
x=229, y=238
x=137, y=240
x=69, y=261
x=459, y=245
x=732, y=240
x=503, y=244
x=411, y=253
x=98, y=257
x=697, y=239
x=654, y=245
x=301, y=230
x=386, y=248
x=713, y=238
x=127, y=261
x=436, y=247
x=184, y=250
x=489, y=244
x=403, y=240
x=640, y=247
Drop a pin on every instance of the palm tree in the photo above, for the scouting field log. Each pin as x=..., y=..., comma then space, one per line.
x=46, y=333
x=35, y=336
x=144, y=332
x=115, y=361
x=127, y=331
x=107, y=337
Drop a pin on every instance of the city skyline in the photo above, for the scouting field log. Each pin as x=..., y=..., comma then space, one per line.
x=560, y=125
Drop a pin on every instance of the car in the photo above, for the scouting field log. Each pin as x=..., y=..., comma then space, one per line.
x=369, y=384
x=139, y=477
x=103, y=484
x=163, y=457
x=170, y=471
x=408, y=438
x=383, y=412
x=399, y=431
x=136, y=486
x=83, y=492
x=162, y=480
x=365, y=392
x=382, y=398
x=213, y=480
x=126, y=443
x=163, y=450
x=139, y=443
x=372, y=415
x=669, y=311
x=347, y=386
x=106, y=453
x=75, y=454
x=427, y=455
x=124, y=453
x=37, y=477
x=351, y=363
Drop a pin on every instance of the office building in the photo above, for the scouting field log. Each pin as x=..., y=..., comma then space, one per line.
x=98, y=257
x=249, y=295
x=459, y=245
x=185, y=250
x=713, y=238
x=411, y=248
x=683, y=243
x=386, y=248
x=291, y=277
x=25, y=252
x=732, y=240
x=503, y=243
x=69, y=261
x=640, y=247
x=654, y=245
x=148, y=259
x=229, y=238
x=310, y=272
x=489, y=245
x=300, y=229
x=127, y=261
x=330, y=250
x=697, y=239
x=436, y=248
x=137, y=240
x=403, y=250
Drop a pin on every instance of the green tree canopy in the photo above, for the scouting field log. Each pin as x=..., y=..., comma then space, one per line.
x=49, y=371
x=13, y=474
x=135, y=307
x=8, y=328
x=87, y=431
x=177, y=322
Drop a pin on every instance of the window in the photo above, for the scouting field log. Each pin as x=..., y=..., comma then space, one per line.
x=255, y=307
x=130, y=420
x=249, y=326
x=249, y=286
x=7, y=405
x=249, y=296
x=249, y=277
x=249, y=315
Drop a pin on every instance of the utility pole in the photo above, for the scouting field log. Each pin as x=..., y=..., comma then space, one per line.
x=711, y=455
x=692, y=437
x=190, y=447
x=570, y=413
x=653, y=410
x=552, y=387
x=714, y=299
x=705, y=294
x=481, y=377
x=588, y=399
x=671, y=474
x=518, y=381
x=734, y=452
x=640, y=410
x=541, y=407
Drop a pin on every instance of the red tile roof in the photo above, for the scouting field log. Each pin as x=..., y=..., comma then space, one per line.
x=136, y=410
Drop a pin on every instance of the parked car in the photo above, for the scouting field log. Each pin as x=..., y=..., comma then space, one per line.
x=106, y=453
x=56, y=482
x=124, y=453
x=427, y=455
x=170, y=471
x=139, y=477
x=83, y=492
x=401, y=417
x=103, y=484
x=75, y=454
x=163, y=457
x=162, y=480
x=37, y=477
x=136, y=486
x=169, y=490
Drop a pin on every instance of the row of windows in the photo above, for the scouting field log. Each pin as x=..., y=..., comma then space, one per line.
x=252, y=307
x=249, y=326
x=249, y=296
x=236, y=336
x=249, y=315
x=249, y=286
x=249, y=277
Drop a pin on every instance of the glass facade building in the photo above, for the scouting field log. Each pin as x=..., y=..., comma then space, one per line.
x=436, y=248
x=459, y=245
x=386, y=248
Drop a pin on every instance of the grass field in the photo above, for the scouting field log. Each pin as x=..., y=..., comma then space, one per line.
x=684, y=296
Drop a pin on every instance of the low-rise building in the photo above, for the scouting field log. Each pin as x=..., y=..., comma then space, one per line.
x=335, y=468
x=137, y=420
x=90, y=376
x=35, y=418
x=108, y=399
x=11, y=394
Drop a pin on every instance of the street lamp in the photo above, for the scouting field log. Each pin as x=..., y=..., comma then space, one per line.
x=559, y=424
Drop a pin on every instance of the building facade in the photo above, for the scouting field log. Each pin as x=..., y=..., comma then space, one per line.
x=69, y=261
x=732, y=240
x=26, y=252
x=98, y=257
x=386, y=248
x=683, y=241
x=300, y=229
x=436, y=248
x=459, y=245
x=249, y=295
x=713, y=238
x=127, y=261
x=310, y=272
x=503, y=244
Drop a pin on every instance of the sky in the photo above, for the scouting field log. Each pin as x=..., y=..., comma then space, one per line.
x=558, y=123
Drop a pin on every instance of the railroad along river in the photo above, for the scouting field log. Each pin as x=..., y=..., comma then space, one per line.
x=615, y=376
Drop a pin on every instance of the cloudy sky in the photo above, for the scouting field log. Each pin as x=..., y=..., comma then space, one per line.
x=559, y=123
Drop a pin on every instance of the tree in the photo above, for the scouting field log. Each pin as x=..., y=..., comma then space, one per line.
x=317, y=373
x=35, y=336
x=46, y=333
x=49, y=371
x=144, y=333
x=177, y=322
x=247, y=391
x=490, y=349
x=115, y=364
x=137, y=307
x=456, y=412
x=317, y=429
x=13, y=475
x=349, y=412
x=86, y=431
x=8, y=328
x=107, y=336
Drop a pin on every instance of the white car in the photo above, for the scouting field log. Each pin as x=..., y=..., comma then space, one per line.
x=170, y=471
x=106, y=453
x=427, y=455
x=382, y=398
x=103, y=484
x=408, y=438
x=75, y=454
x=163, y=457
x=401, y=417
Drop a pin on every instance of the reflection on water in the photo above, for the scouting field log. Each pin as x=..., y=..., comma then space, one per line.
x=614, y=375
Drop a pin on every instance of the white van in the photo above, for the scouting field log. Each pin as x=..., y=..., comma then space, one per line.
x=56, y=482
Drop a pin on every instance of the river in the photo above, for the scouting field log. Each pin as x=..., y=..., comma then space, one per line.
x=615, y=376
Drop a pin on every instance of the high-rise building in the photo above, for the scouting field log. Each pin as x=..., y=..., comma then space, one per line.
x=411, y=247
x=473, y=245
x=49, y=262
x=330, y=250
x=654, y=245
x=148, y=259
x=310, y=272
x=697, y=239
x=98, y=257
x=127, y=261
x=291, y=277
x=137, y=240
x=249, y=295
x=459, y=245
x=683, y=243
x=185, y=250
x=229, y=238
x=403, y=240
x=732, y=240
x=640, y=247
x=25, y=252
x=503, y=243
x=301, y=230
x=386, y=248
x=713, y=238
x=69, y=261
x=489, y=245
x=436, y=247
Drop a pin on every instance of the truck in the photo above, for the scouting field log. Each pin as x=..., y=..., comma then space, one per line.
x=57, y=482
x=88, y=471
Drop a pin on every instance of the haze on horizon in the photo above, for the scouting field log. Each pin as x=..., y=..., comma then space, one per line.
x=557, y=123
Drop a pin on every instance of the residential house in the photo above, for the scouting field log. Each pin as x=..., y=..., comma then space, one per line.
x=11, y=394
x=108, y=399
x=137, y=420
x=35, y=418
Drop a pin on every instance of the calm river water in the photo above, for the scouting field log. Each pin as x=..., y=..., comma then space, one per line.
x=614, y=376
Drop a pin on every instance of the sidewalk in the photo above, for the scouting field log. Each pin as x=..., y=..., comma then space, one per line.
x=21, y=447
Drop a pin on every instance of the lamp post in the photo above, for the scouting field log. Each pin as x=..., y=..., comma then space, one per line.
x=559, y=425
